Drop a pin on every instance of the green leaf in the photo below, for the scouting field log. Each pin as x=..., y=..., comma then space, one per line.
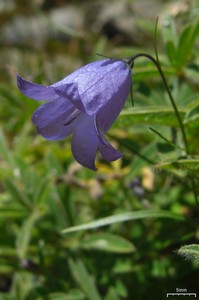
x=25, y=233
x=148, y=70
x=186, y=43
x=17, y=194
x=169, y=30
x=145, y=155
x=169, y=143
x=164, y=147
x=7, y=251
x=112, y=295
x=84, y=279
x=71, y=295
x=12, y=213
x=5, y=152
x=124, y=217
x=107, y=242
x=23, y=285
x=192, y=116
x=5, y=268
x=171, y=52
x=5, y=297
x=185, y=165
x=190, y=252
x=149, y=116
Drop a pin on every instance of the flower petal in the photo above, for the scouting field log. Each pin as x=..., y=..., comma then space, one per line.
x=35, y=91
x=108, y=113
x=96, y=84
x=85, y=143
x=106, y=149
x=108, y=152
x=70, y=91
x=55, y=120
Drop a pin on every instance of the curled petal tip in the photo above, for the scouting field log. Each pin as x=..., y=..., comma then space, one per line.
x=34, y=90
x=19, y=82
x=108, y=152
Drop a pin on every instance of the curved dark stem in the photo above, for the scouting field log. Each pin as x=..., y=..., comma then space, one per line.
x=157, y=64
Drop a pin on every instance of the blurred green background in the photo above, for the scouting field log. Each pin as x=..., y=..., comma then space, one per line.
x=44, y=191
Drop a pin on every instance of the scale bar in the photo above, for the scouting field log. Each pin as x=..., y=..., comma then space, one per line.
x=181, y=294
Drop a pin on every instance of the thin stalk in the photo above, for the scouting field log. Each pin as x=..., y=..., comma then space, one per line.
x=165, y=139
x=192, y=181
x=158, y=65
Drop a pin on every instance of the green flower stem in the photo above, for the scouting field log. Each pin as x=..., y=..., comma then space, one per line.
x=166, y=140
x=131, y=63
x=157, y=64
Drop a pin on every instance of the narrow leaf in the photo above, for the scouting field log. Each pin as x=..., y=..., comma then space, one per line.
x=128, y=216
x=5, y=152
x=108, y=242
x=192, y=116
x=12, y=213
x=186, y=165
x=112, y=295
x=71, y=295
x=150, y=116
x=25, y=234
x=84, y=279
x=171, y=52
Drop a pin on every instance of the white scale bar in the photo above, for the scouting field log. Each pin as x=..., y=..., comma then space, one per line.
x=181, y=294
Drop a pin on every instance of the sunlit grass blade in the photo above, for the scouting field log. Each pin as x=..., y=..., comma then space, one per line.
x=128, y=216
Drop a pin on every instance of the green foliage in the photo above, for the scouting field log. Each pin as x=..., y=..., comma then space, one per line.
x=107, y=242
x=84, y=279
x=152, y=115
x=68, y=233
x=190, y=252
x=122, y=218
x=180, y=47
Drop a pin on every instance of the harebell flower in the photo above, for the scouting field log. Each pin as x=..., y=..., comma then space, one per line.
x=84, y=103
